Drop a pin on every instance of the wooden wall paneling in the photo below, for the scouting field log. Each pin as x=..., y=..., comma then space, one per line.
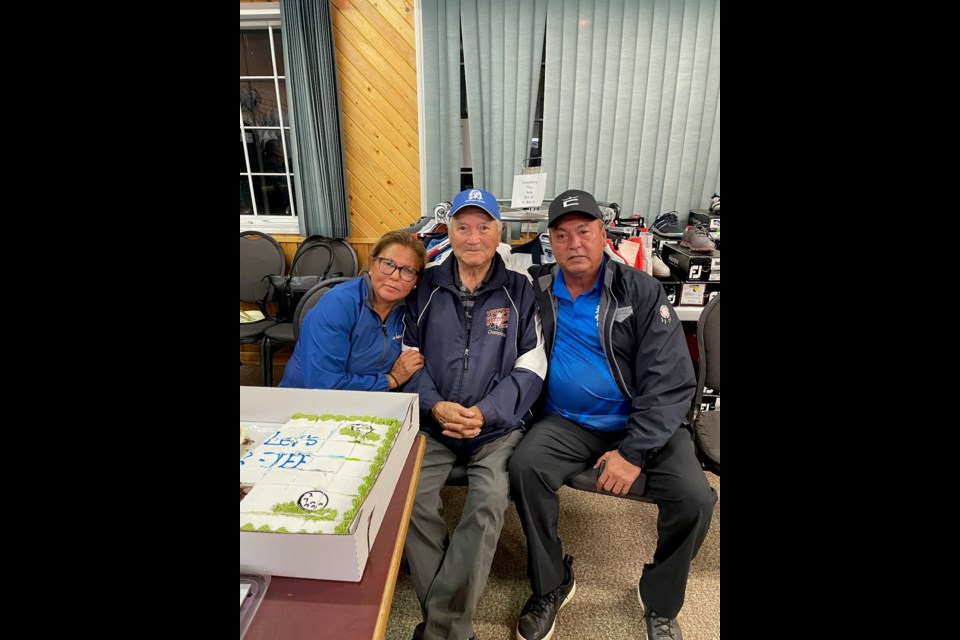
x=351, y=45
x=399, y=14
x=390, y=176
x=379, y=37
x=375, y=125
x=382, y=194
x=363, y=253
x=363, y=88
x=371, y=220
x=386, y=156
x=376, y=59
x=383, y=165
x=359, y=98
x=395, y=31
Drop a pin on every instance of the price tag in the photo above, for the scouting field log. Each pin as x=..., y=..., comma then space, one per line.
x=528, y=190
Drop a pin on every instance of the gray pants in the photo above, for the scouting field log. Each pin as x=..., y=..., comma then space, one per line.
x=450, y=572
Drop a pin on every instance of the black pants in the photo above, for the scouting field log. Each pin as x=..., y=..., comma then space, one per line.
x=555, y=449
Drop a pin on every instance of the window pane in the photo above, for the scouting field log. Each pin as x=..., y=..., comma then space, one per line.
x=258, y=99
x=265, y=146
x=273, y=158
x=273, y=197
x=246, y=206
x=251, y=148
x=255, y=53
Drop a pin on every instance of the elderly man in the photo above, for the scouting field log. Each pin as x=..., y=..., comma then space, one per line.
x=620, y=385
x=478, y=328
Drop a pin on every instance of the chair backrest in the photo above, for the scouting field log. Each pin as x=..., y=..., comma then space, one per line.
x=708, y=344
x=325, y=257
x=706, y=424
x=310, y=299
x=260, y=255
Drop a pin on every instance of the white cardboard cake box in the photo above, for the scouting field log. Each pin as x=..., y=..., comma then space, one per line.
x=328, y=557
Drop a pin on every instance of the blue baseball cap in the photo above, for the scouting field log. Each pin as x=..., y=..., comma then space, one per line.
x=476, y=198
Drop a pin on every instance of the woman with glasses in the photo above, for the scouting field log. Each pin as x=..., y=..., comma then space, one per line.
x=351, y=338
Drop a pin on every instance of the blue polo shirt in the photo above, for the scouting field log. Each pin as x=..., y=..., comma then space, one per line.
x=579, y=384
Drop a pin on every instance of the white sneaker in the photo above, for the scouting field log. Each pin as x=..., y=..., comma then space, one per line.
x=715, y=203
x=660, y=268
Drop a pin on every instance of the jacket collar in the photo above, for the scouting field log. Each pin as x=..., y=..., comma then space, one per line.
x=495, y=278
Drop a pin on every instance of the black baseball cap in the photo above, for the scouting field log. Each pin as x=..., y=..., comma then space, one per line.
x=573, y=201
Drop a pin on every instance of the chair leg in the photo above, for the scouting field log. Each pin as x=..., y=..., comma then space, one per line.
x=266, y=362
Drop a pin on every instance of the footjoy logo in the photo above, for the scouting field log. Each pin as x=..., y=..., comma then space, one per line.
x=569, y=202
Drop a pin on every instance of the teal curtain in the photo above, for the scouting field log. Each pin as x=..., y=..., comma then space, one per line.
x=313, y=91
x=502, y=51
x=439, y=70
x=632, y=102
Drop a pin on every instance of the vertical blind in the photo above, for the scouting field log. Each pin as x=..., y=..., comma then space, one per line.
x=632, y=102
x=631, y=97
x=502, y=50
x=438, y=73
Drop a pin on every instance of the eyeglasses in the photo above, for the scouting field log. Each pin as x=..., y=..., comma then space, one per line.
x=387, y=267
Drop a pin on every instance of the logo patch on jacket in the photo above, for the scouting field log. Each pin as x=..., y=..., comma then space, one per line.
x=498, y=320
x=665, y=314
x=623, y=313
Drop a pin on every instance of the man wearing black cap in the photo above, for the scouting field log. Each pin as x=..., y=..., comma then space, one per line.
x=623, y=417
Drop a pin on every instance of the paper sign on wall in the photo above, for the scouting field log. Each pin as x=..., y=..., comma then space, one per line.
x=528, y=190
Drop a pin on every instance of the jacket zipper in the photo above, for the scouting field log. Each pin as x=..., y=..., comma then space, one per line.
x=466, y=365
x=386, y=343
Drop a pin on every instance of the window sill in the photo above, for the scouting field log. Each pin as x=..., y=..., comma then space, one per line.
x=270, y=224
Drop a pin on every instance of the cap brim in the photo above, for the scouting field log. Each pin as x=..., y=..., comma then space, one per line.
x=580, y=211
x=475, y=206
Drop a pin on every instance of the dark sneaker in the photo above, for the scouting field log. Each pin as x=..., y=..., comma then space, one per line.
x=660, y=628
x=715, y=203
x=539, y=615
x=667, y=225
x=697, y=238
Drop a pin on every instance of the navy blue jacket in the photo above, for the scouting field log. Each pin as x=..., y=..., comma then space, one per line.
x=645, y=348
x=499, y=367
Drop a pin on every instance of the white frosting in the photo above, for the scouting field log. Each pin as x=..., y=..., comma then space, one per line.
x=307, y=474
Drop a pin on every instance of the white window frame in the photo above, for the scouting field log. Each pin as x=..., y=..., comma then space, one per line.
x=258, y=15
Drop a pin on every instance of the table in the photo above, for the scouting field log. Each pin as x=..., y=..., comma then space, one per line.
x=509, y=215
x=296, y=608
